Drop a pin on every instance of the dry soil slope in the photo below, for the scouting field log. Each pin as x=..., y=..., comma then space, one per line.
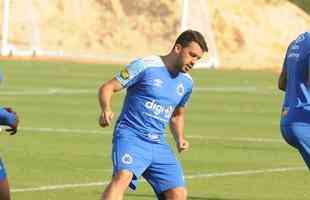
x=249, y=33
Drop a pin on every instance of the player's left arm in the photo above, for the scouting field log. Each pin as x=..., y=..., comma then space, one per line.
x=177, y=129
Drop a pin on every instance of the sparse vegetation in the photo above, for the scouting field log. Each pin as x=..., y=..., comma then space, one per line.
x=304, y=4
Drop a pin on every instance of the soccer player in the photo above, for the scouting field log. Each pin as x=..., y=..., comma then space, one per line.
x=295, y=81
x=7, y=118
x=158, y=88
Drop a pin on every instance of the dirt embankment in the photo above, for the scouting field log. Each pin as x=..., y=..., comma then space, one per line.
x=249, y=34
x=255, y=34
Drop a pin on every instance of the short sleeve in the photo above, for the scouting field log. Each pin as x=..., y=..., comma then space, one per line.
x=131, y=73
x=285, y=59
x=185, y=99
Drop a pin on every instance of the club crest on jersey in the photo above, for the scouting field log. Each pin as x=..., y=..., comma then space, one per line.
x=300, y=38
x=124, y=74
x=180, y=89
x=127, y=159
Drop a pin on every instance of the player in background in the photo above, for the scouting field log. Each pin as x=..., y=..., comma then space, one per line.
x=7, y=118
x=158, y=88
x=295, y=81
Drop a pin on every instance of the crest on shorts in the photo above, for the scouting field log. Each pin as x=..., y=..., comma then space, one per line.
x=124, y=74
x=127, y=159
x=180, y=89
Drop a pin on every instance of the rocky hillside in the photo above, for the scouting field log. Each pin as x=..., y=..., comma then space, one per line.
x=249, y=34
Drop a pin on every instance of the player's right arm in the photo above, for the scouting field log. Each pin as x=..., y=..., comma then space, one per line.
x=105, y=95
x=127, y=77
x=282, y=80
x=283, y=75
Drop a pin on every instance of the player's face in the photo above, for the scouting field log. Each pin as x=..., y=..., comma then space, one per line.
x=188, y=56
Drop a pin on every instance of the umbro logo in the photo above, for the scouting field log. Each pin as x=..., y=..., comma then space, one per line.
x=158, y=82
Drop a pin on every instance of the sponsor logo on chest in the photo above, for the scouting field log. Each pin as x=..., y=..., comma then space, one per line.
x=158, y=109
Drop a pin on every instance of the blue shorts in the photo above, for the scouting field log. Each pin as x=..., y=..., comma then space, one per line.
x=2, y=171
x=298, y=135
x=156, y=162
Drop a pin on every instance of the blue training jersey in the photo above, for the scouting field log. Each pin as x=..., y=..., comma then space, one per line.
x=297, y=93
x=153, y=93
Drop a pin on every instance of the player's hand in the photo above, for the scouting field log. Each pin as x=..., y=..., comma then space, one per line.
x=105, y=118
x=182, y=145
x=13, y=128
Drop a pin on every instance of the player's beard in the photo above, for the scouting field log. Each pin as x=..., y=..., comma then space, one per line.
x=185, y=68
x=180, y=66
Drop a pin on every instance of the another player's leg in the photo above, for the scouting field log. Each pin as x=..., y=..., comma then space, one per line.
x=118, y=185
x=302, y=133
x=4, y=190
x=297, y=135
x=4, y=184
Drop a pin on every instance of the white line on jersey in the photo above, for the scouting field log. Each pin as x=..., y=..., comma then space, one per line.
x=194, y=176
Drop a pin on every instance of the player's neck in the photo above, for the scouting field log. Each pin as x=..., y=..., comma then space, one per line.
x=170, y=63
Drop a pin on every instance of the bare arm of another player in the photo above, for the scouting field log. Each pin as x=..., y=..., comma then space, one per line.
x=105, y=94
x=177, y=129
x=282, y=80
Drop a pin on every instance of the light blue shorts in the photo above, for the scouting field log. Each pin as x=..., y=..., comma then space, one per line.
x=156, y=162
x=298, y=135
x=2, y=171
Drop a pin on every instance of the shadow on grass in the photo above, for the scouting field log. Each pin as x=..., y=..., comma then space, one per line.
x=143, y=196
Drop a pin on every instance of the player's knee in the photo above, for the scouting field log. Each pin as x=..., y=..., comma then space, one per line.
x=122, y=179
x=175, y=194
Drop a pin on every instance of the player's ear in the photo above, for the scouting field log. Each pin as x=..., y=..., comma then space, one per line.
x=177, y=48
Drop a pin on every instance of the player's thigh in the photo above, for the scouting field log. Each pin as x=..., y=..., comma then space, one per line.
x=165, y=171
x=131, y=154
x=179, y=193
x=122, y=178
x=4, y=190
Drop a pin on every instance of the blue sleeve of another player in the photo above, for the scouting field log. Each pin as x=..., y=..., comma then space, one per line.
x=285, y=59
x=185, y=99
x=7, y=118
x=284, y=63
x=131, y=74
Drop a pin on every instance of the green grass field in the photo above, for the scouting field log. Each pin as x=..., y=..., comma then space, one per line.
x=60, y=152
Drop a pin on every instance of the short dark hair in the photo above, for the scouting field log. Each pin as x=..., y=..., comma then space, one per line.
x=189, y=36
